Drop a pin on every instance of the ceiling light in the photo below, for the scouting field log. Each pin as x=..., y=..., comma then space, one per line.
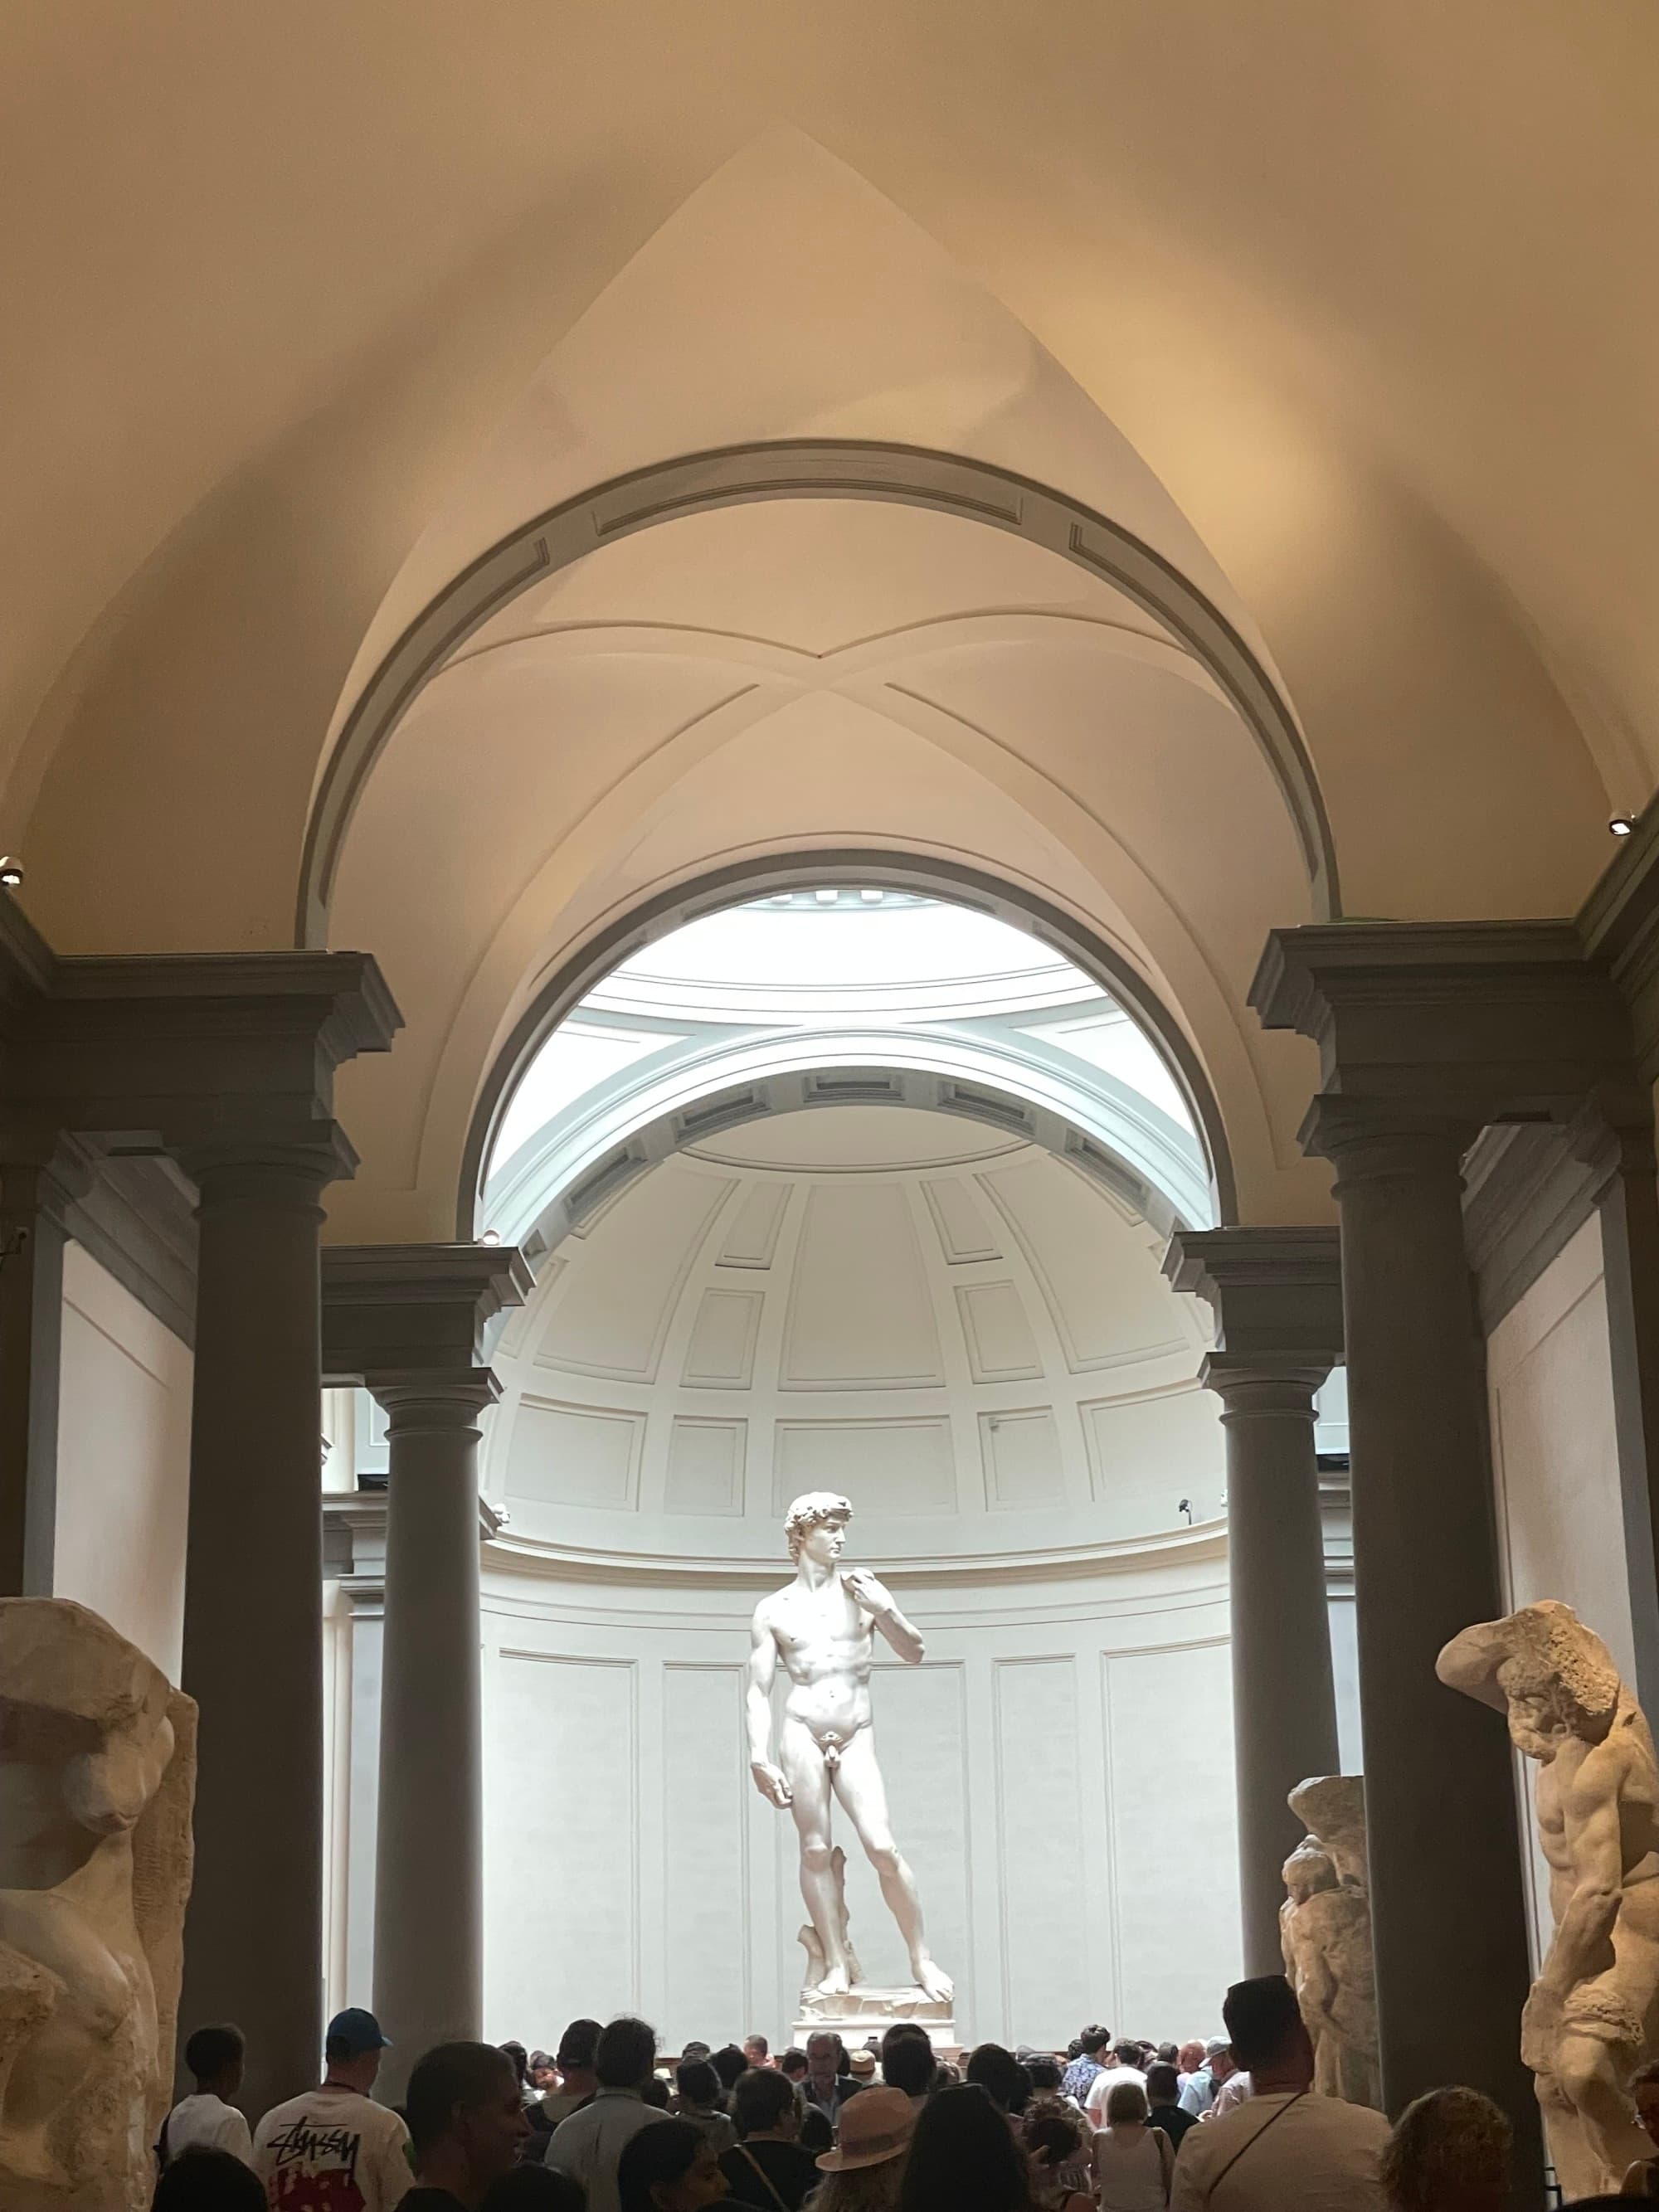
x=11, y=871
x=491, y=1237
x=828, y=898
x=871, y=898
x=1622, y=825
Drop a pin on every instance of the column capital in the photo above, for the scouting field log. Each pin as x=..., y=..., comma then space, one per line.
x=410, y=1309
x=1371, y=1139
x=1275, y=1292
x=285, y=1166
x=434, y=1402
x=1251, y=1384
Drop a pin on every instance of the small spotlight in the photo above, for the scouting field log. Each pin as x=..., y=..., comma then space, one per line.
x=1621, y=825
x=491, y=1237
x=11, y=871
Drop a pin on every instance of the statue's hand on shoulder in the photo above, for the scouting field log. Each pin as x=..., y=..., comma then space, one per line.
x=872, y=1595
x=770, y=1781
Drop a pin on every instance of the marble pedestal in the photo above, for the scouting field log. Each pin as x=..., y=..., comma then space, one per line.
x=865, y=2010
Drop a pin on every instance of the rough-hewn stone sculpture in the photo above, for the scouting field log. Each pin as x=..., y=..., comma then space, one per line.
x=1594, y=2009
x=1325, y=1931
x=97, y=1777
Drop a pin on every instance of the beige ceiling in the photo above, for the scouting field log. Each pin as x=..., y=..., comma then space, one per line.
x=1343, y=310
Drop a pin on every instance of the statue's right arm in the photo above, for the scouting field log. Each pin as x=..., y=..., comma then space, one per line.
x=763, y=1673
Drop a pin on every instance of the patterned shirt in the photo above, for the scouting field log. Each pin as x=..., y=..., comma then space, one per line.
x=1077, y=2079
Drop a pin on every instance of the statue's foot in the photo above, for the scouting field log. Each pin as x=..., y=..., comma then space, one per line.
x=934, y=1982
x=835, y=1984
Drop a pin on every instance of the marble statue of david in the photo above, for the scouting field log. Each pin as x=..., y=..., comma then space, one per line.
x=821, y=1625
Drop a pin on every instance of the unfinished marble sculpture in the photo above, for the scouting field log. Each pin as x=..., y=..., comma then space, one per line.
x=1325, y=1927
x=1594, y=2010
x=97, y=1778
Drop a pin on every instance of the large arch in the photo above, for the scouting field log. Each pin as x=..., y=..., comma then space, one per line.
x=973, y=490
x=655, y=917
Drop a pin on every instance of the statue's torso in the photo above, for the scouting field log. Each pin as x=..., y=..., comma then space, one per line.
x=824, y=1641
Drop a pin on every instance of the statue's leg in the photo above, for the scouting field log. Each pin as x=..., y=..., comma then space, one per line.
x=804, y=1767
x=1605, y=2138
x=858, y=1785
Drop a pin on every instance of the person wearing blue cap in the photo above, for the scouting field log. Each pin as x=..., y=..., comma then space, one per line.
x=335, y=2149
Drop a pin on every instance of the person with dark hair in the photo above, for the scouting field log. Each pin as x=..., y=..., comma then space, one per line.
x=1167, y=2054
x=1289, y=2144
x=1053, y=2136
x=203, y=2180
x=728, y=2062
x=670, y=2168
x=466, y=2123
x=577, y=2080
x=544, y=2072
x=699, y=2102
x=533, y=2188
x=964, y=2157
x=208, y=2120
x=907, y=2061
x=335, y=2145
x=589, y=2145
x=1091, y=2047
x=827, y=2084
x=657, y=2094
x=1449, y=2151
x=756, y=2050
x=794, y=2065
x=1001, y=2075
x=816, y=2133
x=1163, y=2102
x=767, y=2167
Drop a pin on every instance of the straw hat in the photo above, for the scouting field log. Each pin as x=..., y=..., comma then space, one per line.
x=875, y=2125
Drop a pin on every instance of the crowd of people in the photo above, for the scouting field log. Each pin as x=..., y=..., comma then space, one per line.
x=602, y=2125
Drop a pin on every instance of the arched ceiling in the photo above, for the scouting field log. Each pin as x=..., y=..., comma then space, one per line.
x=1332, y=308
x=973, y=1340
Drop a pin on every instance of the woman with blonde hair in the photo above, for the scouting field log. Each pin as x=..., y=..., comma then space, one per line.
x=1449, y=2151
x=1133, y=2162
x=862, y=2174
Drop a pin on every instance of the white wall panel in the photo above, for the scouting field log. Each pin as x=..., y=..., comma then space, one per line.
x=561, y=1838
x=1020, y=1451
x=721, y=1353
x=884, y=1467
x=123, y=1461
x=705, y=1890
x=1044, y=1880
x=611, y=1318
x=568, y=1455
x=1173, y=1836
x=860, y=1316
x=1001, y=1347
x=705, y=1467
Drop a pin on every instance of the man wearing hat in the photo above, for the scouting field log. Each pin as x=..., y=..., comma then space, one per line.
x=335, y=2149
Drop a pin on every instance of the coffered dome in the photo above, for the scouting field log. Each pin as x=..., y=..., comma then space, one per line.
x=967, y=1335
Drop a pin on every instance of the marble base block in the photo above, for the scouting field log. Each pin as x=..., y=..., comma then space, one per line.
x=865, y=2010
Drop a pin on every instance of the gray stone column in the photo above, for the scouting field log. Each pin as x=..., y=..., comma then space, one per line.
x=1447, y=1910
x=428, y=1872
x=1284, y=1696
x=252, y=1641
x=1277, y=1297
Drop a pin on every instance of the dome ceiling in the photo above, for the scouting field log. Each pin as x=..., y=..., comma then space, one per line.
x=971, y=1339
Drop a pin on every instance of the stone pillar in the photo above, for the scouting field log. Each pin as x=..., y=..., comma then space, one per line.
x=1277, y=1296
x=1284, y=1697
x=1447, y=1909
x=428, y=1872
x=253, y=1643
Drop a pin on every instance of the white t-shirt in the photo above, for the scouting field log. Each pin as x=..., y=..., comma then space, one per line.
x=207, y=2123
x=1322, y=2156
x=1101, y=2088
x=1235, y=2091
x=332, y=2151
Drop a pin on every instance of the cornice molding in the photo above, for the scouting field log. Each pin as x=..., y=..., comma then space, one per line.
x=1276, y=1292
x=1204, y=1540
x=407, y=1310
x=1526, y=1194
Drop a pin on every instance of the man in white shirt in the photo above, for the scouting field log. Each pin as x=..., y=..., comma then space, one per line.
x=589, y=2144
x=1288, y=2145
x=1094, y=2105
x=209, y=2120
x=334, y=2149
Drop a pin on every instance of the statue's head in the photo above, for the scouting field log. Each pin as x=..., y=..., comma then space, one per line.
x=1551, y=1677
x=816, y=1524
x=1332, y=1807
x=1308, y=1870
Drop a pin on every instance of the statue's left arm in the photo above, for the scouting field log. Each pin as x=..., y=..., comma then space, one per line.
x=877, y=1601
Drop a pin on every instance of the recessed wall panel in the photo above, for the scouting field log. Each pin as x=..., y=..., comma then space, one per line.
x=884, y=1467
x=860, y=1313
x=705, y=1789
x=561, y=1879
x=1021, y=1456
x=705, y=1467
x=1046, y=1880
x=575, y=1456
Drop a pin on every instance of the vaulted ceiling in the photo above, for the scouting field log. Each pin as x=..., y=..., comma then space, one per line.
x=1340, y=312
